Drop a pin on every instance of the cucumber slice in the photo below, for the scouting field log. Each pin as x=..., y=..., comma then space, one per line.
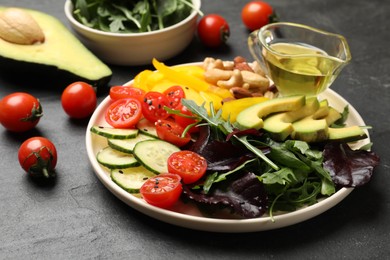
x=131, y=179
x=114, y=133
x=114, y=159
x=153, y=154
x=127, y=145
x=146, y=127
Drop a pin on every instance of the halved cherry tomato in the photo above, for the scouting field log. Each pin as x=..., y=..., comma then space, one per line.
x=163, y=190
x=186, y=118
x=79, y=100
x=38, y=157
x=20, y=112
x=189, y=165
x=153, y=106
x=124, y=113
x=118, y=92
x=171, y=132
x=174, y=95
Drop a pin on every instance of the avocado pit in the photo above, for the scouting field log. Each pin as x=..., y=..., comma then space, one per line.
x=19, y=27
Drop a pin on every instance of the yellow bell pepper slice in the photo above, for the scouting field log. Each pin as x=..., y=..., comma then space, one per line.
x=193, y=70
x=211, y=97
x=181, y=78
x=232, y=108
x=140, y=80
x=222, y=92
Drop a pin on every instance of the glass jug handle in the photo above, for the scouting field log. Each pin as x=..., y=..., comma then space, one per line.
x=255, y=48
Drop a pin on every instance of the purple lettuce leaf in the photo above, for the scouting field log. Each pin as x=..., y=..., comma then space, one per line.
x=221, y=156
x=347, y=167
x=244, y=196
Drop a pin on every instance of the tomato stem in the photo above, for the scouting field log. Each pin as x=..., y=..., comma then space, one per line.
x=45, y=173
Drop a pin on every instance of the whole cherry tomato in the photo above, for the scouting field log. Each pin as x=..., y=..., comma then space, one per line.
x=174, y=95
x=20, y=112
x=38, y=157
x=153, y=106
x=171, y=132
x=213, y=30
x=256, y=14
x=79, y=100
x=189, y=165
x=163, y=190
x=118, y=92
x=124, y=113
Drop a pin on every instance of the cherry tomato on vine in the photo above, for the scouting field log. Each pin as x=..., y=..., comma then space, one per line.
x=256, y=14
x=153, y=106
x=163, y=190
x=171, y=132
x=174, y=95
x=20, y=112
x=124, y=113
x=186, y=118
x=38, y=157
x=189, y=165
x=79, y=100
x=118, y=92
x=213, y=30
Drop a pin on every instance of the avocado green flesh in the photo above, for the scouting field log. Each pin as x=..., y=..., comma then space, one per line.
x=305, y=119
x=280, y=124
x=251, y=117
x=310, y=130
x=61, y=54
x=346, y=134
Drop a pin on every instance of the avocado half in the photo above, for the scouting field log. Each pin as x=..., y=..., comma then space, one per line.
x=61, y=57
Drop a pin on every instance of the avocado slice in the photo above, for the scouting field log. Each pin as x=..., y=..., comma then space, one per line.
x=323, y=109
x=280, y=125
x=310, y=130
x=346, y=134
x=252, y=117
x=60, y=57
x=318, y=130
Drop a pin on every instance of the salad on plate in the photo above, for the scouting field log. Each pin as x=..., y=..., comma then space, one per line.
x=216, y=136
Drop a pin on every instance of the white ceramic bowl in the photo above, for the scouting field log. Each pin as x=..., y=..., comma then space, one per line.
x=136, y=48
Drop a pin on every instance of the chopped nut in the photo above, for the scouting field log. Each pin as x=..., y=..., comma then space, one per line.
x=228, y=65
x=257, y=68
x=241, y=78
x=241, y=64
x=240, y=92
x=235, y=80
x=211, y=63
x=214, y=75
x=255, y=80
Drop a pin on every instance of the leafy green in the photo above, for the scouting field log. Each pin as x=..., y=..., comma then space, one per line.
x=124, y=16
x=291, y=171
x=221, y=128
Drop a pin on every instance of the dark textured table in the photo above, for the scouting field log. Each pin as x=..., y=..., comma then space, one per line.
x=78, y=218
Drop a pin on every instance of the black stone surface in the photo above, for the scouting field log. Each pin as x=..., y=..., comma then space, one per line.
x=76, y=217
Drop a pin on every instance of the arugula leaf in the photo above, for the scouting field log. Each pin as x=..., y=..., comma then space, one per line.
x=221, y=128
x=131, y=16
x=215, y=177
x=284, y=176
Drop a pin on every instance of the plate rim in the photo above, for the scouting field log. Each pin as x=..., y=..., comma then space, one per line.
x=215, y=224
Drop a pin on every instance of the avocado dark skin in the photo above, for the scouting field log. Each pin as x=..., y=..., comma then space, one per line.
x=60, y=59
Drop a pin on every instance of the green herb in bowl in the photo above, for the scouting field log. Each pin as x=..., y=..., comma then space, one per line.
x=123, y=16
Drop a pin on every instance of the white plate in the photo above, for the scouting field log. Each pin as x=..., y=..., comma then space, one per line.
x=190, y=217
